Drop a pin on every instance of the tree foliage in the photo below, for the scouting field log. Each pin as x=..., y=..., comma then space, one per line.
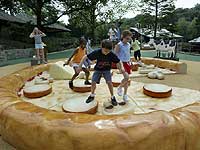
x=157, y=8
x=99, y=13
x=46, y=11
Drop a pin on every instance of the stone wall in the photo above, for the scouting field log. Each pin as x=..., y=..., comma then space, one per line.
x=11, y=54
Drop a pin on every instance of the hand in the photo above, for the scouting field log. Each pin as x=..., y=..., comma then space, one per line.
x=125, y=74
x=66, y=63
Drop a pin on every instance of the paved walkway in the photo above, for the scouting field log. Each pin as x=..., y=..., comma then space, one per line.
x=67, y=53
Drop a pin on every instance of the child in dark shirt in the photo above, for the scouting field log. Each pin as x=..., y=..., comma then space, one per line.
x=105, y=57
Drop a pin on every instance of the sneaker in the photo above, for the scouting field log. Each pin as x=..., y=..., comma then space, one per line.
x=89, y=99
x=44, y=62
x=109, y=107
x=119, y=91
x=140, y=64
x=71, y=84
x=87, y=83
x=125, y=98
x=122, y=103
x=113, y=101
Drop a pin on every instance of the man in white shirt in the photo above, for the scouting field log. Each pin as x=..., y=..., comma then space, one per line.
x=112, y=33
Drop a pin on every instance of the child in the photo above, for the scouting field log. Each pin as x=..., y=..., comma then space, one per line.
x=37, y=35
x=122, y=50
x=74, y=61
x=136, y=48
x=104, y=57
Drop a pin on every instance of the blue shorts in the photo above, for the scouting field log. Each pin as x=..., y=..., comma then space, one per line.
x=39, y=46
x=98, y=74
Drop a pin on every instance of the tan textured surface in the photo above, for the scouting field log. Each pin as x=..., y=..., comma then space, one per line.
x=153, y=125
x=190, y=80
x=61, y=93
x=178, y=66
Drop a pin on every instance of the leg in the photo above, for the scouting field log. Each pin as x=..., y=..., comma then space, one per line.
x=135, y=55
x=93, y=88
x=139, y=55
x=75, y=74
x=108, y=77
x=95, y=79
x=110, y=86
x=87, y=73
x=92, y=95
x=42, y=54
x=124, y=82
x=125, y=88
x=37, y=54
x=45, y=54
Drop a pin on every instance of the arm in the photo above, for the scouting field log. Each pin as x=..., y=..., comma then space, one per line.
x=81, y=63
x=121, y=69
x=31, y=35
x=42, y=34
x=117, y=48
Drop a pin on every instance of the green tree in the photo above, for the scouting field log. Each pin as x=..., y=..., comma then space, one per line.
x=182, y=27
x=99, y=13
x=158, y=8
x=192, y=29
x=46, y=11
x=87, y=20
x=10, y=6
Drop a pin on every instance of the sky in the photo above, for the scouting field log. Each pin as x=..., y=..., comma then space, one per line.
x=178, y=3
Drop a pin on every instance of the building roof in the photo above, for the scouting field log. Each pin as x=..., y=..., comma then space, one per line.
x=24, y=18
x=10, y=18
x=196, y=40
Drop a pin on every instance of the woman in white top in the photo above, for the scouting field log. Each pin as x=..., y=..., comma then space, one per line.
x=37, y=35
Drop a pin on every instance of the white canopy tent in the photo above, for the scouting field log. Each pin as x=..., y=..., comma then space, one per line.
x=196, y=40
x=150, y=33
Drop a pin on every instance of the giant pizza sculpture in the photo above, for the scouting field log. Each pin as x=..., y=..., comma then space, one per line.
x=27, y=126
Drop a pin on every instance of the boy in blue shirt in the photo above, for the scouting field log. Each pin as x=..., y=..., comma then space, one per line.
x=105, y=57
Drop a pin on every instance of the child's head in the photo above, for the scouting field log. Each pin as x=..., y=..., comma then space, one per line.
x=36, y=30
x=82, y=42
x=126, y=36
x=106, y=46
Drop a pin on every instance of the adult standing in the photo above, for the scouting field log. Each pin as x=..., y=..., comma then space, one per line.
x=113, y=35
x=37, y=35
x=88, y=46
x=118, y=25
